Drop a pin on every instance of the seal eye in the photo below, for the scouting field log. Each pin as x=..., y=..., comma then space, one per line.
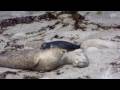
x=43, y=46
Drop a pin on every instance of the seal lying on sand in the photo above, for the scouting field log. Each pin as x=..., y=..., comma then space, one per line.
x=60, y=44
x=44, y=60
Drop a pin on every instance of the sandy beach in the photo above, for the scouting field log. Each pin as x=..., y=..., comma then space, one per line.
x=45, y=27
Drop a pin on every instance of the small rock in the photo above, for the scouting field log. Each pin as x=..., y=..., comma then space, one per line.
x=30, y=77
x=58, y=72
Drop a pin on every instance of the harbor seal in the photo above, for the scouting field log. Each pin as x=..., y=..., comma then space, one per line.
x=38, y=60
x=60, y=44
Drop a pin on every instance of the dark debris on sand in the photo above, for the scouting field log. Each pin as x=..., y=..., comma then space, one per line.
x=25, y=20
x=47, y=16
x=78, y=18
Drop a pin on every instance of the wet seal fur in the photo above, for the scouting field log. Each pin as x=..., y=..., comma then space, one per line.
x=60, y=44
